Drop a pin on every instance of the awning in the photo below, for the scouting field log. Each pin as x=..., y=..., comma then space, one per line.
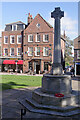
x=12, y=62
x=20, y=62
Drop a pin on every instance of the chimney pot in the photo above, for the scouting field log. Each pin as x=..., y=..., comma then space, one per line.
x=29, y=18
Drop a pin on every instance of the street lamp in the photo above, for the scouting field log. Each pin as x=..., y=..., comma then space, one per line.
x=16, y=65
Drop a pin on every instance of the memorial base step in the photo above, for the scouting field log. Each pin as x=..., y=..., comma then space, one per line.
x=35, y=107
x=50, y=99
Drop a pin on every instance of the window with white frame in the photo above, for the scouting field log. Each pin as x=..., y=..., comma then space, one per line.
x=11, y=51
x=37, y=38
x=78, y=54
x=5, y=39
x=30, y=51
x=45, y=51
x=18, y=51
x=19, y=39
x=37, y=51
x=12, y=39
x=45, y=38
x=14, y=27
x=5, y=52
x=30, y=38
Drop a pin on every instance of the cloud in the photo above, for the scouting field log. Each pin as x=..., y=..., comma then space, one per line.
x=68, y=24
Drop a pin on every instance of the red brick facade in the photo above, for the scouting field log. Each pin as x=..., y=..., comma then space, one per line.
x=38, y=61
x=37, y=44
x=12, y=44
x=9, y=45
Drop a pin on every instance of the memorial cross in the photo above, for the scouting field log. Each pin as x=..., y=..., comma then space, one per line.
x=57, y=14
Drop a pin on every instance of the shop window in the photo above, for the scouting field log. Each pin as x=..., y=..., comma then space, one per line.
x=30, y=65
x=18, y=51
x=78, y=54
x=5, y=52
x=19, y=39
x=12, y=52
x=45, y=51
x=12, y=39
x=46, y=66
x=37, y=51
x=30, y=51
x=30, y=38
x=46, y=38
x=5, y=39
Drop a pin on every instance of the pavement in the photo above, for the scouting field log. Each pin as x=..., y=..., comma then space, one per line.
x=11, y=108
x=11, y=73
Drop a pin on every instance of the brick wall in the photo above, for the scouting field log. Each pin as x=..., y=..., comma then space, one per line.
x=44, y=28
x=15, y=45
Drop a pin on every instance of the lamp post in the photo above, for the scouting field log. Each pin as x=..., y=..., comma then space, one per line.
x=16, y=65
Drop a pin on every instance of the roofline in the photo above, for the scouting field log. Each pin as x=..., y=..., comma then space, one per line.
x=63, y=39
x=76, y=37
x=14, y=23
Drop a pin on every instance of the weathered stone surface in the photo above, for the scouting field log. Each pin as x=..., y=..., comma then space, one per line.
x=51, y=99
x=57, y=14
x=33, y=106
x=56, y=84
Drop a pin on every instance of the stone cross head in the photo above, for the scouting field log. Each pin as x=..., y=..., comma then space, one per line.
x=57, y=13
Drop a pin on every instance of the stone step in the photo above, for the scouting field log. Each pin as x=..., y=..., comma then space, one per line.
x=50, y=99
x=49, y=112
x=50, y=107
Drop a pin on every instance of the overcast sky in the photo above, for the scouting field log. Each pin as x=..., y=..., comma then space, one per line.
x=16, y=11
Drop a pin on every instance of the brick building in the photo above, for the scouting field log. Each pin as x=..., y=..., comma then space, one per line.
x=12, y=46
x=38, y=45
x=77, y=55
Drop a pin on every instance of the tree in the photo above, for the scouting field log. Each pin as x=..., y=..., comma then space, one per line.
x=68, y=52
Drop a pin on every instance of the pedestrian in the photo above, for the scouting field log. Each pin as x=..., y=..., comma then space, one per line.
x=72, y=70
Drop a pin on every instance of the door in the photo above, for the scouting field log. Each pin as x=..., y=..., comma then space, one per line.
x=78, y=70
x=37, y=69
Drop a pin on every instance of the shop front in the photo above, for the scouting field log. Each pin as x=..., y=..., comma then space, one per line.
x=38, y=66
x=13, y=65
x=77, y=68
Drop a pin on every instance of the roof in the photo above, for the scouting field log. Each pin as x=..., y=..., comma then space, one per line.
x=77, y=37
x=18, y=22
x=63, y=38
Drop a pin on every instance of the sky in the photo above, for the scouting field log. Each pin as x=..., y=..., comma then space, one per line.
x=18, y=11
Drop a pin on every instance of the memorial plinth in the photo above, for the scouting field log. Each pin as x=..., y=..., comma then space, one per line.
x=56, y=84
x=55, y=97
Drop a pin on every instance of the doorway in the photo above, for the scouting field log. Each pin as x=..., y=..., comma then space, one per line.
x=37, y=69
x=77, y=69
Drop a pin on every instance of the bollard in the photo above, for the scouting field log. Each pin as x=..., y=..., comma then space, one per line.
x=23, y=112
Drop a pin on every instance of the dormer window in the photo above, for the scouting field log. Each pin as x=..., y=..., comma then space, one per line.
x=14, y=27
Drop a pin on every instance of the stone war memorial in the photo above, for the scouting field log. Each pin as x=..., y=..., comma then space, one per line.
x=56, y=96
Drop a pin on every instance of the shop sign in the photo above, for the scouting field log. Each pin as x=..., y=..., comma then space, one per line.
x=13, y=58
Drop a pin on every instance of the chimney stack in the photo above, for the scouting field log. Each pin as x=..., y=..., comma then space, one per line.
x=29, y=18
